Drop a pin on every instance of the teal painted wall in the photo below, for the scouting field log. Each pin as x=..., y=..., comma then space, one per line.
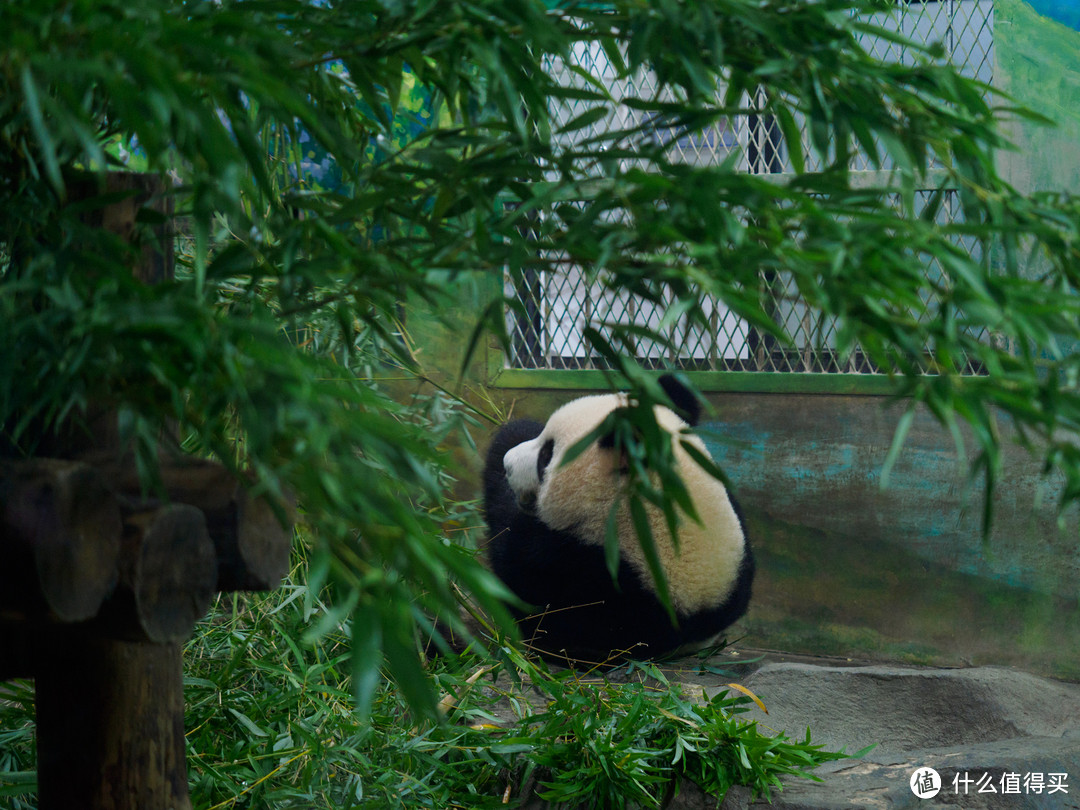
x=903, y=572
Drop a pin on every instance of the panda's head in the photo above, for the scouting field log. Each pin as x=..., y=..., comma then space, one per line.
x=579, y=495
x=530, y=465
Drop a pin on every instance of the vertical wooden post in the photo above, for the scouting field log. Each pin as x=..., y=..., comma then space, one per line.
x=110, y=712
x=110, y=724
x=132, y=191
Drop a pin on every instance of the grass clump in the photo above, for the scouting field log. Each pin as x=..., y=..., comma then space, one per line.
x=18, y=778
x=612, y=745
x=272, y=723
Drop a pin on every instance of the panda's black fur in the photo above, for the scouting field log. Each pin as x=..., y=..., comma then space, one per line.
x=581, y=614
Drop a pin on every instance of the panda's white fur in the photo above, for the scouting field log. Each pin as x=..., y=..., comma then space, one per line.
x=701, y=571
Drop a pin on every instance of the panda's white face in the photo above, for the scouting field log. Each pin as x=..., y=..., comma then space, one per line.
x=525, y=467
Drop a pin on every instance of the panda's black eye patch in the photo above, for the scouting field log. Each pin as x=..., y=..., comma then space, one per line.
x=542, y=460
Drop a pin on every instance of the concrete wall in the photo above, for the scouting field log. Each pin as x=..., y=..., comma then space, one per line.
x=904, y=572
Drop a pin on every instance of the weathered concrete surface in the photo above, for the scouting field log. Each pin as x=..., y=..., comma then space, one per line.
x=964, y=723
x=901, y=572
x=836, y=594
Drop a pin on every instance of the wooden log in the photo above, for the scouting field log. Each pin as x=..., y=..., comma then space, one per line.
x=89, y=434
x=260, y=558
x=110, y=711
x=59, y=538
x=110, y=724
x=168, y=574
x=252, y=539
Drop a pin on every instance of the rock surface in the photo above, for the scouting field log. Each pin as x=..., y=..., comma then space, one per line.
x=1015, y=734
x=997, y=737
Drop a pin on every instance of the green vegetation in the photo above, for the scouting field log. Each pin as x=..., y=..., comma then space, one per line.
x=238, y=104
x=272, y=723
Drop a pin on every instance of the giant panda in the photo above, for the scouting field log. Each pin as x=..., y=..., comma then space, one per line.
x=547, y=523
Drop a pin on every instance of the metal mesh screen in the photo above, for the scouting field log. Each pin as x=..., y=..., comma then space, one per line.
x=553, y=307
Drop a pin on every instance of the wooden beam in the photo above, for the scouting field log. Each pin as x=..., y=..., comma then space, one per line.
x=168, y=575
x=252, y=538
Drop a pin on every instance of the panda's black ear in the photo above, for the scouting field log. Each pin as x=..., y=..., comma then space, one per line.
x=686, y=404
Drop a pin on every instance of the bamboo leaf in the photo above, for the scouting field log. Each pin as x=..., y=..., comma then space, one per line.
x=41, y=131
x=899, y=437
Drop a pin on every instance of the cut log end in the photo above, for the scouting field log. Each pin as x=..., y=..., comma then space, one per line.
x=61, y=536
x=252, y=537
x=169, y=570
x=263, y=543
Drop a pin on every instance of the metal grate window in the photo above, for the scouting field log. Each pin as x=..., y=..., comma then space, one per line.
x=554, y=306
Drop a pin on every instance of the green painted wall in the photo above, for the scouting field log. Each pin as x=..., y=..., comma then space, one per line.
x=1038, y=64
